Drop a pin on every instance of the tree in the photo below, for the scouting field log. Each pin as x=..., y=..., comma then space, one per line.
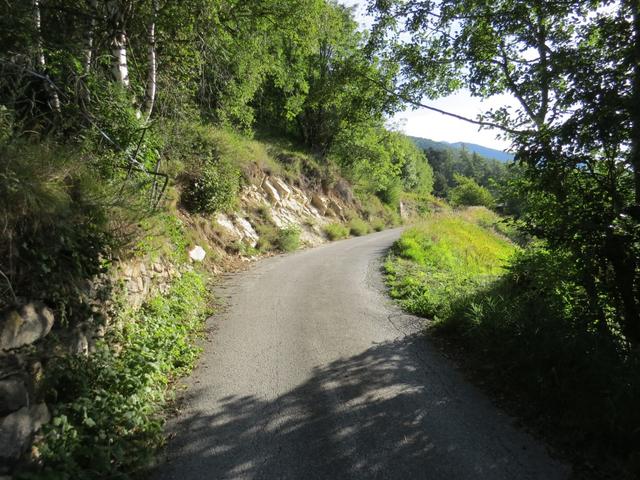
x=468, y=193
x=574, y=69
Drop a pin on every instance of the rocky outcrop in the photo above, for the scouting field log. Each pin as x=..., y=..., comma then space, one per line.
x=17, y=430
x=24, y=326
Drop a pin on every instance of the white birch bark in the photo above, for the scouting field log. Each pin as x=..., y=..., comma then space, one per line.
x=41, y=62
x=150, y=94
x=119, y=53
x=89, y=36
x=120, y=65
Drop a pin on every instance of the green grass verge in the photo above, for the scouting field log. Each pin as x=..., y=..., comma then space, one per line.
x=445, y=257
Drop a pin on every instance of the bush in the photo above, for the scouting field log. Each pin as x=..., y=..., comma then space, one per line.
x=336, y=231
x=212, y=188
x=358, y=227
x=106, y=407
x=469, y=193
x=377, y=224
x=288, y=239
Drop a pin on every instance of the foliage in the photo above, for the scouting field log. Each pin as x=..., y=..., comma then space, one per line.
x=447, y=163
x=575, y=131
x=288, y=239
x=335, y=231
x=381, y=162
x=442, y=259
x=106, y=416
x=214, y=187
x=61, y=223
x=358, y=227
x=468, y=193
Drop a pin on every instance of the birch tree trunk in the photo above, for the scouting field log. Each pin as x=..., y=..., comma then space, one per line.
x=150, y=94
x=89, y=36
x=52, y=96
x=120, y=66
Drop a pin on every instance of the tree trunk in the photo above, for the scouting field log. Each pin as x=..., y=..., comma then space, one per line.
x=119, y=53
x=150, y=94
x=120, y=65
x=89, y=36
x=52, y=95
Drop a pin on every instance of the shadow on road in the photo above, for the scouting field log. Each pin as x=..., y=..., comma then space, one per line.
x=379, y=414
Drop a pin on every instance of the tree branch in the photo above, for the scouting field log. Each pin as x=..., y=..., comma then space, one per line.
x=481, y=123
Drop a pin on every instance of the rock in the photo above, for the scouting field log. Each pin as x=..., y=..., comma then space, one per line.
x=226, y=223
x=319, y=203
x=249, y=235
x=24, y=326
x=80, y=343
x=282, y=188
x=13, y=395
x=335, y=208
x=271, y=192
x=157, y=267
x=17, y=429
x=197, y=253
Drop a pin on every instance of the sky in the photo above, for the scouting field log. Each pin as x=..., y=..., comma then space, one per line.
x=427, y=124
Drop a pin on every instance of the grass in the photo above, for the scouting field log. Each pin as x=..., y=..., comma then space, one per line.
x=441, y=259
x=522, y=325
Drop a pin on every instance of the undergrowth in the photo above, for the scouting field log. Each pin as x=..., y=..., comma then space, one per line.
x=107, y=408
x=527, y=328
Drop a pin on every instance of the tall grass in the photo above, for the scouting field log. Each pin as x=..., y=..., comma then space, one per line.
x=442, y=259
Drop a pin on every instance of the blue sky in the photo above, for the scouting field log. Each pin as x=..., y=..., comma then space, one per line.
x=424, y=123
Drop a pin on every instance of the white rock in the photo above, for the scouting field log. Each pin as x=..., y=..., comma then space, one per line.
x=248, y=233
x=282, y=188
x=197, y=253
x=272, y=193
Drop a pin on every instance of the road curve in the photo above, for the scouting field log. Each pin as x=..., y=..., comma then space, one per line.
x=311, y=373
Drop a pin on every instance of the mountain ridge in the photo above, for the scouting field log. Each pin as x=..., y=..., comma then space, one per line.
x=486, y=152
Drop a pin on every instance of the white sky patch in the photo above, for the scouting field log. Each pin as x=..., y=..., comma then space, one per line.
x=427, y=124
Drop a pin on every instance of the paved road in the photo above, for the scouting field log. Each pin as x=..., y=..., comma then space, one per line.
x=312, y=374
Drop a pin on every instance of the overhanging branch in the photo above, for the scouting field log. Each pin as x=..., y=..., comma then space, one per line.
x=481, y=123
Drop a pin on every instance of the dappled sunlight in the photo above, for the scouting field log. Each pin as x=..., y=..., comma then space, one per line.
x=373, y=415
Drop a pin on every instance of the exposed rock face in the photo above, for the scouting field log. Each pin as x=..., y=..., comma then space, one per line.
x=320, y=203
x=17, y=430
x=288, y=206
x=24, y=326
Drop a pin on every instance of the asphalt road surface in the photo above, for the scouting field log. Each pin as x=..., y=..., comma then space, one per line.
x=312, y=373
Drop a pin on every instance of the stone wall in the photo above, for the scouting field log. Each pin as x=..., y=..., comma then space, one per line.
x=26, y=343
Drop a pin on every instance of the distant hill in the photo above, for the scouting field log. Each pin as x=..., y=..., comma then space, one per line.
x=472, y=147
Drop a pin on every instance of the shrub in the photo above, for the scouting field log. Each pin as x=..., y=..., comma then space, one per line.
x=212, y=188
x=469, y=193
x=378, y=224
x=336, y=231
x=106, y=407
x=358, y=227
x=288, y=239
